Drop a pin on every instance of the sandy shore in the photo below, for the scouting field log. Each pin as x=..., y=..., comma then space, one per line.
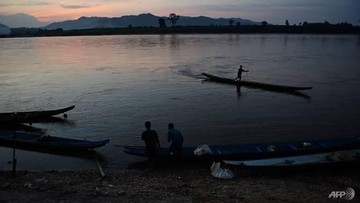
x=180, y=182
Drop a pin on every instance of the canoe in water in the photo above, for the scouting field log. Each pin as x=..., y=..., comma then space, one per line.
x=253, y=151
x=30, y=116
x=254, y=84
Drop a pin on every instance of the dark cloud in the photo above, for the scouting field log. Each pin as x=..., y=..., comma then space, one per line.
x=6, y=5
x=74, y=6
x=24, y=4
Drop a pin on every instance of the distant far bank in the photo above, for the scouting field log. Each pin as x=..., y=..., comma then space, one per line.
x=311, y=28
x=148, y=23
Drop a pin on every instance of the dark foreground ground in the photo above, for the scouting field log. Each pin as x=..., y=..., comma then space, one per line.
x=175, y=182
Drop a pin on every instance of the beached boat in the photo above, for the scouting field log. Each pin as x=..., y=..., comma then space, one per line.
x=35, y=141
x=335, y=157
x=265, y=86
x=254, y=151
x=30, y=116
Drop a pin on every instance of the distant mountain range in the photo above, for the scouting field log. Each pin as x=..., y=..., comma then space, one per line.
x=142, y=20
x=4, y=30
x=21, y=20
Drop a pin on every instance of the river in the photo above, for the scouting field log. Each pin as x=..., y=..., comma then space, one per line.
x=119, y=82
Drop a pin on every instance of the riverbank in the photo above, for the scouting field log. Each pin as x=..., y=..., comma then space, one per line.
x=173, y=182
x=313, y=28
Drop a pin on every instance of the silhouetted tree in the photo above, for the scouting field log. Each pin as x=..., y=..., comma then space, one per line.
x=162, y=23
x=345, y=24
x=264, y=23
x=305, y=23
x=287, y=23
x=231, y=22
x=238, y=24
x=173, y=18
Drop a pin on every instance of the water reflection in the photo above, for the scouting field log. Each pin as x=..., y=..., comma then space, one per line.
x=174, y=42
x=238, y=90
x=285, y=41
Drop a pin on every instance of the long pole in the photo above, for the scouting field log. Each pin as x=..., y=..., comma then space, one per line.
x=14, y=158
x=99, y=165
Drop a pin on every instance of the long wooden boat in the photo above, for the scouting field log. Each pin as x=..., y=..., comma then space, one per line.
x=265, y=86
x=255, y=151
x=30, y=116
x=302, y=160
x=35, y=141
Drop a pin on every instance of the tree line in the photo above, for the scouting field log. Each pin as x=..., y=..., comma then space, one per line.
x=264, y=27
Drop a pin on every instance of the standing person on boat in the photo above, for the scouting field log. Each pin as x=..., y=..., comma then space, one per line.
x=176, y=139
x=151, y=140
x=240, y=71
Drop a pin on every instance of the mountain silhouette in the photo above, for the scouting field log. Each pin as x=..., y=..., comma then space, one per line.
x=4, y=30
x=142, y=20
x=20, y=20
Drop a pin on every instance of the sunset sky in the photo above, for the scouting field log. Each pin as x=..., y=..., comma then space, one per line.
x=273, y=11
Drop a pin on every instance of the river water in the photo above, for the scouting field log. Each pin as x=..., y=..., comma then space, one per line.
x=119, y=82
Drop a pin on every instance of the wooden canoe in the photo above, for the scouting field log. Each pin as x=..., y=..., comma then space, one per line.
x=30, y=116
x=257, y=150
x=302, y=160
x=260, y=85
x=38, y=142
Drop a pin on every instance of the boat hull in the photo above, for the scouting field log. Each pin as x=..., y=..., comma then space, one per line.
x=255, y=151
x=303, y=160
x=265, y=86
x=30, y=116
x=35, y=141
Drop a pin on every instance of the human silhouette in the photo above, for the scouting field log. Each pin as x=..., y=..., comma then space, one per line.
x=151, y=140
x=240, y=71
x=176, y=139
